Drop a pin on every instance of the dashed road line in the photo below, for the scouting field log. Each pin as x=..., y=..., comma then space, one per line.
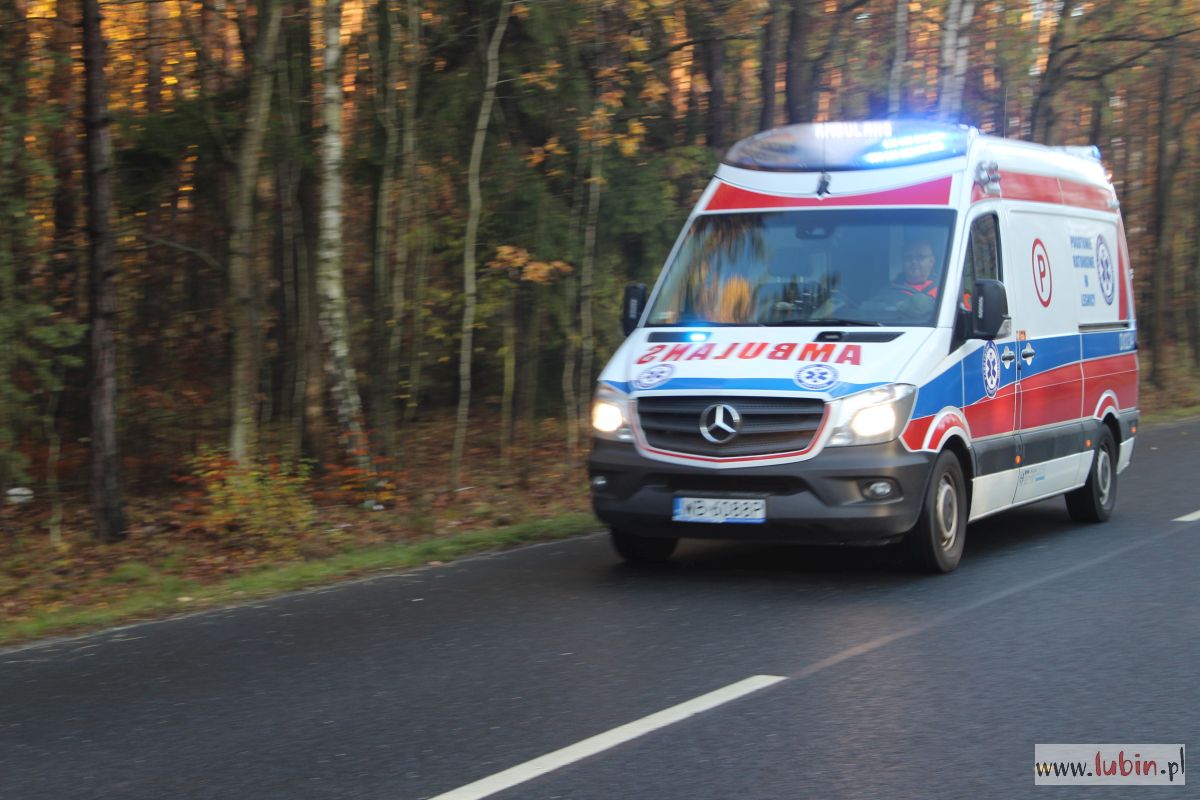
x=609, y=739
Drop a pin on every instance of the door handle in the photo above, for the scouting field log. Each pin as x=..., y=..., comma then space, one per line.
x=1008, y=357
x=1027, y=354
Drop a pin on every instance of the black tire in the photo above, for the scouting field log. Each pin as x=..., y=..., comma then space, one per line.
x=643, y=549
x=1096, y=499
x=935, y=544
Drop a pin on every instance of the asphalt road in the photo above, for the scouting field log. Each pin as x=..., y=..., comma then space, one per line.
x=893, y=685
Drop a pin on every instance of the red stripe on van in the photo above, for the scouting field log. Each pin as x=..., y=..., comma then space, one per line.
x=1025, y=186
x=994, y=415
x=1083, y=195
x=1118, y=373
x=732, y=198
x=1046, y=189
x=1055, y=395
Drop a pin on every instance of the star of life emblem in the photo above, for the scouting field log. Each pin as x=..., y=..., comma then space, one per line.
x=991, y=369
x=655, y=376
x=816, y=377
x=1104, y=270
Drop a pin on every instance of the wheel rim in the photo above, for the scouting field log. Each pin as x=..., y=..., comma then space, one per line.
x=946, y=513
x=1103, y=476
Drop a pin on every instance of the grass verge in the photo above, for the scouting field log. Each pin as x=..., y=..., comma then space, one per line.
x=162, y=595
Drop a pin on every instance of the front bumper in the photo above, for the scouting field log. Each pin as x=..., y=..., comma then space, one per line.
x=819, y=501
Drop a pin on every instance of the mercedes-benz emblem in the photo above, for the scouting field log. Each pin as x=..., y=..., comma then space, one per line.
x=719, y=423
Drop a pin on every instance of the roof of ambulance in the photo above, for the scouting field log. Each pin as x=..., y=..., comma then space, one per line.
x=893, y=146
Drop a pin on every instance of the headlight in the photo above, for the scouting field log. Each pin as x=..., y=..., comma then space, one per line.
x=871, y=417
x=610, y=420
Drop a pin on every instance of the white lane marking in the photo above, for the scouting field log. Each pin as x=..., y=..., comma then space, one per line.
x=1192, y=517
x=609, y=739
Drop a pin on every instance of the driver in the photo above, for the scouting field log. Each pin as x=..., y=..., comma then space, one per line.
x=916, y=267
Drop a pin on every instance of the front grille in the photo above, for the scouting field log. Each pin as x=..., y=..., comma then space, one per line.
x=769, y=424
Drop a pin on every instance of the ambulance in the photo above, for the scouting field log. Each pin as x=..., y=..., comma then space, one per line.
x=873, y=333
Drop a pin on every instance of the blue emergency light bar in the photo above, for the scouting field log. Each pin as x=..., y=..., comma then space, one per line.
x=832, y=146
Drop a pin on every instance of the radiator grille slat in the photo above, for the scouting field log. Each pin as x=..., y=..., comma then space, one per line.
x=768, y=424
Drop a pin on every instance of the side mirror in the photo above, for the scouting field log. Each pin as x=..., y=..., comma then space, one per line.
x=989, y=309
x=632, y=306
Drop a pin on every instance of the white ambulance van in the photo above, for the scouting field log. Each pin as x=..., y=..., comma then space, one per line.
x=869, y=333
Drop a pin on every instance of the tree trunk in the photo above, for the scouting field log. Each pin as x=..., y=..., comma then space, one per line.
x=899, y=58
x=587, y=342
x=244, y=276
x=420, y=278
x=714, y=69
x=767, y=66
x=331, y=290
x=64, y=150
x=404, y=227
x=955, y=38
x=796, y=92
x=1041, y=121
x=533, y=359
x=469, y=266
x=387, y=299
x=1161, y=267
x=102, y=308
x=154, y=56
x=510, y=379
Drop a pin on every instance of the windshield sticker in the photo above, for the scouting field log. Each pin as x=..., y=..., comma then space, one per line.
x=817, y=377
x=824, y=352
x=991, y=369
x=655, y=376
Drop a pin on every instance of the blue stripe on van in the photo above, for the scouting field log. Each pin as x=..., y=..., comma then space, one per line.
x=839, y=389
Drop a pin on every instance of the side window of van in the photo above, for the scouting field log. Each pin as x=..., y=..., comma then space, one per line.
x=983, y=255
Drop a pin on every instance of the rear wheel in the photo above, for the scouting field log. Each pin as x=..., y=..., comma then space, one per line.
x=1096, y=499
x=643, y=549
x=935, y=544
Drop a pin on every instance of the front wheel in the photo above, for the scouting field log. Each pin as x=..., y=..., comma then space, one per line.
x=1096, y=499
x=935, y=544
x=643, y=549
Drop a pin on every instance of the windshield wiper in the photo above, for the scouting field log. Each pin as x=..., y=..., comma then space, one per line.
x=823, y=321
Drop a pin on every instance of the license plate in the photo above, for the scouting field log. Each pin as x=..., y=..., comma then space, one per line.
x=721, y=510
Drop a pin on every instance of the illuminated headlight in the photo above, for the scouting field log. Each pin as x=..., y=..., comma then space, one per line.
x=871, y=417
x=609, y=417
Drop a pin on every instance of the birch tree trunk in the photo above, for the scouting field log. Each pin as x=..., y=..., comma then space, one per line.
x=472, y=232
x=107, y=510
x=899, y=57
x=953, y=70
x=244, y=276
x=331, y=290
x=386, y=311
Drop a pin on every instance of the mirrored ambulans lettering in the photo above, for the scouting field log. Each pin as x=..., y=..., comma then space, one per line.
x=826, y=352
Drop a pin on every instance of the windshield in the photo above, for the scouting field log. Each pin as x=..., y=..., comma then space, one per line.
x=811, y=267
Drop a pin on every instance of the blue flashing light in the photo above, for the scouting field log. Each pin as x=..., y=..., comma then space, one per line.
x=698, y=336
x=831, y=146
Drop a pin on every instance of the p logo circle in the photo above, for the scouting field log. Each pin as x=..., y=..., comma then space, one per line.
x=1043, y=280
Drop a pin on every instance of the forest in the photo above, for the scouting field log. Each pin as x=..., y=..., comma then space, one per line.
x=260, y=259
